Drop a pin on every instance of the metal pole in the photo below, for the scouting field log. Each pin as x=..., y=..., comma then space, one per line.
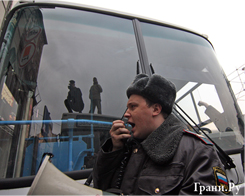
x=141, y=48
x=70, y=144
x=21, y=143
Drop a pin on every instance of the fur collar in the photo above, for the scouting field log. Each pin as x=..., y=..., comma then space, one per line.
x=162, y=143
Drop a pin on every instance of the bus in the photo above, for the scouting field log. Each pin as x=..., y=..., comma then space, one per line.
x=47, y=48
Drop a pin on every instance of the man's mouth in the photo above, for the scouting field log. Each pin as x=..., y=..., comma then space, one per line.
x=132, y=124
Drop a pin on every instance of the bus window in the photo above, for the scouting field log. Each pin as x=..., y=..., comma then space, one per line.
x=188, y=60
x=49, y=48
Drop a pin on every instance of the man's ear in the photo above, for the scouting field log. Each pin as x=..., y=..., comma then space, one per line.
x=157, y=108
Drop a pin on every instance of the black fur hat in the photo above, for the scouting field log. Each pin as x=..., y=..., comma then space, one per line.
x=156, y=89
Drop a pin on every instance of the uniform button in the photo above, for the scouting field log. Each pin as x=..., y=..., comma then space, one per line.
x=157, y=190
x=135, y=150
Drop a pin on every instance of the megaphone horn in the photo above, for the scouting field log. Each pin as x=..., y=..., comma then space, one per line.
x=51, y=181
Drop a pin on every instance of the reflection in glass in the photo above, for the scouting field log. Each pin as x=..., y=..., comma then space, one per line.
x=48, y=48
x=74, y=99
x=189, y=62
x=95, y=97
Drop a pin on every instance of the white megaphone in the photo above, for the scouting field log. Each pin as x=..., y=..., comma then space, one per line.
x=51, y=181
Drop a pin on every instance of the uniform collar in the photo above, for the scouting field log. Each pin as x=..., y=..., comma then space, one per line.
x=162, y=143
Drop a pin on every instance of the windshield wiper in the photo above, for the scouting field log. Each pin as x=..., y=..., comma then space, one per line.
x=226, y=160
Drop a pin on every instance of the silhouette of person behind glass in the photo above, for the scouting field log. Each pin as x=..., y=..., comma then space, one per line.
x=94, y=96
x=74, y=99
x=219, y=119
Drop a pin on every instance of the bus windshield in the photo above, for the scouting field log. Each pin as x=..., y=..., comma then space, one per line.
x=53, y=57
x=189, y=61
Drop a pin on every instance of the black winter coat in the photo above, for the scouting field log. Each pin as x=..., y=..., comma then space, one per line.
x=170, y=161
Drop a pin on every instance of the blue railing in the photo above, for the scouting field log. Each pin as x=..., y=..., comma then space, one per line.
x=69, y=121
x=70, y=125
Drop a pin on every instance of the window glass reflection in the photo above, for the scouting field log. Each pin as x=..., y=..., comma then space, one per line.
x=82, y=72
x=62, y=64
x=82, y=47
x=189, y=62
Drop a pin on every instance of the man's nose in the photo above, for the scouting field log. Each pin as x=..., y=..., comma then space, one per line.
x=127, y=114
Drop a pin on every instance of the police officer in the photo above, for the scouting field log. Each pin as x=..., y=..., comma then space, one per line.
x=162, y=157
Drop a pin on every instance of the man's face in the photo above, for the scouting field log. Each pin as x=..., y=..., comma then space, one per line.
x=140, y=116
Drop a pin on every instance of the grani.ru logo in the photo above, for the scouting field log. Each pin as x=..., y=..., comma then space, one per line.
x=225, y=189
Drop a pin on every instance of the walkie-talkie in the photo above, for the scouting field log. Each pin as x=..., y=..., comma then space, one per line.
x=125, y=120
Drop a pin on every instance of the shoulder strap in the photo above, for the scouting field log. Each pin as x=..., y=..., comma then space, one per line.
x=201, y=137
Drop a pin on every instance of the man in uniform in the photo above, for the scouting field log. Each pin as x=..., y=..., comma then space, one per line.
x=161, y=157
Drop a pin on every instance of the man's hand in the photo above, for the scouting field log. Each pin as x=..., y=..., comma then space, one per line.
x=118, y=132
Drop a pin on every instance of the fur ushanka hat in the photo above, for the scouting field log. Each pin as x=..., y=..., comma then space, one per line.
x=156, y=89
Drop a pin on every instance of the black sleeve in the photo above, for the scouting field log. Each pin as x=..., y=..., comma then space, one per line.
x=106, y=164
x=202, y=173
